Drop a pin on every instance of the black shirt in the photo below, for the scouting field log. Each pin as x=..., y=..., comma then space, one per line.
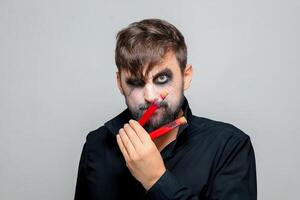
x=207, y=160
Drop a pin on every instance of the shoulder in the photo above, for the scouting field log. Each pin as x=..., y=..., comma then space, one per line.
x=97, y=133
x=223, y=140
x=218, y=130
x=99, y=137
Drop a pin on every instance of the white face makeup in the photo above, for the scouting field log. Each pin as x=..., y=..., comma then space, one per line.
x=140, y=93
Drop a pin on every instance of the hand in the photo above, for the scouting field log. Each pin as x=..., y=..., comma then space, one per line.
x=141, y=155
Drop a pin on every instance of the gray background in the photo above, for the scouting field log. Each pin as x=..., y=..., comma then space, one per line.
x=57, y=81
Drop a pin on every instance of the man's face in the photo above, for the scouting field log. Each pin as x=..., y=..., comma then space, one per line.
x=140, y=93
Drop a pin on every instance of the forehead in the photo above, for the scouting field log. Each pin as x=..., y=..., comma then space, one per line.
x=169, y=61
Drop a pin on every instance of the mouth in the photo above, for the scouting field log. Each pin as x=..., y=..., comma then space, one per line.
x=158, y=110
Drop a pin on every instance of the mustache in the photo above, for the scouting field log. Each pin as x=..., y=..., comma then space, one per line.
x=160, y=105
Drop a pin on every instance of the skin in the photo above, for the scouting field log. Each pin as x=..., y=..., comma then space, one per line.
x=142, y=155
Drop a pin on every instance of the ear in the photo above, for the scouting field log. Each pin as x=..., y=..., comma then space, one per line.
x=187, y=76
x=118, y=77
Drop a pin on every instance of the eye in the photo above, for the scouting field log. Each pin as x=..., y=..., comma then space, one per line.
x=162, y=79
x=136, y=83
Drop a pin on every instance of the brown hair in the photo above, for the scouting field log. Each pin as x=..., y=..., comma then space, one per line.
x=144, y=44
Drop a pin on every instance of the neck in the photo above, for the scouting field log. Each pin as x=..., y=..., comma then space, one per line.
x=166, y=139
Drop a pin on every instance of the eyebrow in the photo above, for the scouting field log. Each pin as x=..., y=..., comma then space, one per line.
x=167, y=71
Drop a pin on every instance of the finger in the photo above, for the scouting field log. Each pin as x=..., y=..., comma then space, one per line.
x=127, y=144
x=141, y=132
x=134, y=138
x=122, y=148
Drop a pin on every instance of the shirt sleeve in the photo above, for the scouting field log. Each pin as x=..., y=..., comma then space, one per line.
x=168, y=187
x=81, y=185
x=235, y=178
x=236, y=174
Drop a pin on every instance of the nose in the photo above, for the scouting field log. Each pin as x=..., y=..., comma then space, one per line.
x=149, y=93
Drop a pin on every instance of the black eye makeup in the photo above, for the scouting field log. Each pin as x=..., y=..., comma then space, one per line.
x=160, y=78
x=135, y=82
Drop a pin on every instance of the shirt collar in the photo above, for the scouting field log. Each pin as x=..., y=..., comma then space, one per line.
x=115, y=124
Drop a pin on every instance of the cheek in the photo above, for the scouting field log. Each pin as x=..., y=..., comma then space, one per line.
x=174, y=92
x=173, y=89
x=134, y=97
x=134, y=93
x=131, y=92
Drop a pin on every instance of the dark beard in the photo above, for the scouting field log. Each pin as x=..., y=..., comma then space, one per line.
x=169, y=115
